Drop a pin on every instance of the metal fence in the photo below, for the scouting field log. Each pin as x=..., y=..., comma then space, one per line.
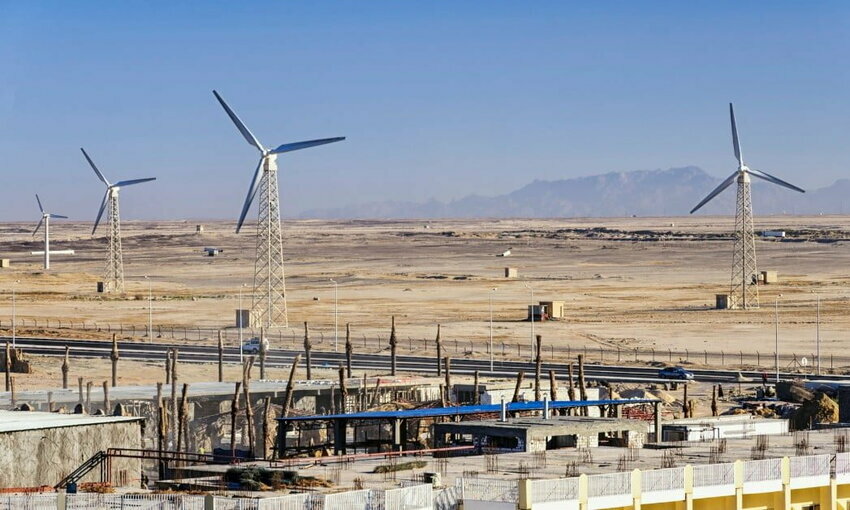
x=417, y=497
x=488, y=489
x=714, y=475
x=609, y=484
x=762, y=470
x=502, y=350
x=548, y=491
x=663, y=479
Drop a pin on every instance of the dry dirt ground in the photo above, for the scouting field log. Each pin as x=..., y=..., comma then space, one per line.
x=645, y=282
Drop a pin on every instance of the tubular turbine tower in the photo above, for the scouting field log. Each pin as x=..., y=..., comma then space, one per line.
x=268, y=306
x=744, y=290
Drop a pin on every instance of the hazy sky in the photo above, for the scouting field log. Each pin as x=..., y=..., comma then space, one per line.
x=437, y=99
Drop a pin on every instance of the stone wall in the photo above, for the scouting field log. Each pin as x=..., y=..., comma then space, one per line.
x=37, y=457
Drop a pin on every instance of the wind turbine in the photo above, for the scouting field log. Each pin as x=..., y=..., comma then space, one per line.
x=115, y=262
x=45, y=219
x=744, y=292
x=268, y=307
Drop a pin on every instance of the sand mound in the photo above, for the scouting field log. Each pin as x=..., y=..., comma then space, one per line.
x=642, y=393
x=820, y=409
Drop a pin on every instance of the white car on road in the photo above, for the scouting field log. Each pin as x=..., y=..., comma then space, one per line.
x=252, y=346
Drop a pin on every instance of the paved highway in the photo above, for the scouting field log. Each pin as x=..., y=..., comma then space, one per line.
x=324, y=359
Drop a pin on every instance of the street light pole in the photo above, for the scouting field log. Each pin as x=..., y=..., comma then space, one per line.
x=491, y=327
x=150, y=309
x=817, y=338
x=336, y=314
x=241, y=355
x=527, y=286
x=776, y=331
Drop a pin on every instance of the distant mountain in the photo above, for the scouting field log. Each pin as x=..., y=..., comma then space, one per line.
x=670, y=192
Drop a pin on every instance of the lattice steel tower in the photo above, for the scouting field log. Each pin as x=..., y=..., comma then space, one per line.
x=268, y=305
x=114, y=275
x=744, y=289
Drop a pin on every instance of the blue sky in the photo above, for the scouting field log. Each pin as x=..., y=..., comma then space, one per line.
x=438, y=100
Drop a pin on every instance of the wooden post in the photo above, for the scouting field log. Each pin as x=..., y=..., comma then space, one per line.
x=161, y=429
x=262, y=355
x=106, y=398
x=290, y=387
x=234, y=409
x=88, y=397
x=685, y=399
x=448, y=367
x=393, y=346
x=713, y=400
x=553, y=390
x=307, y=347
x=538, y=361
x=343, y=390
x=12, y=390
x=49, y=401
x=174, y=355
x=8, y=367
x=582, y=387
x=439, y=353
x=66, y=367
x=349, y=348
x=182, y=436
x=221, y=357
x=519, y=377
x=571, y=390
x=268, y=426
x=249, y=409
x=476, y=397
x=80, y=384
x=114, y=357
x=168, y=366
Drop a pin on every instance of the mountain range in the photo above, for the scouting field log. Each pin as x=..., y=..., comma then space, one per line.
x=672, y=192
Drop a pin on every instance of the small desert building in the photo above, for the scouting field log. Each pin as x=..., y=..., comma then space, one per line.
x=39, y=449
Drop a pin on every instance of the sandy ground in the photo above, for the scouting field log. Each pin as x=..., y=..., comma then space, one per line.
x=635, y=282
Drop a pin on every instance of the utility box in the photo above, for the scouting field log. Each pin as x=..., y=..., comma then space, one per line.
x=555, y=309
x=199, y=229
x=101, y=287
x=243, y=318
x=5, y=263
x=537, y=313
x=721, y=301
x=768, y=277
x=511, y=272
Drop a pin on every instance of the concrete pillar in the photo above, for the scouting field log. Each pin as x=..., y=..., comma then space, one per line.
x=398, y=426
x=636, y=489
x=738, y=468
x=524, y=502
x=582, y=491
x=209, y=502
x=689, y=488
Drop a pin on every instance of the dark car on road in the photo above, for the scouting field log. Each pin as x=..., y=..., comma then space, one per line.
x=675, y=373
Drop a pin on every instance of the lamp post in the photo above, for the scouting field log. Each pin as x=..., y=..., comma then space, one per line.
x=241, y=355
x=150, y=308
x=776, y=332
x=336, y=314
x=490, y=295
x=817, y=335
x=14, y=314
x=527, y=286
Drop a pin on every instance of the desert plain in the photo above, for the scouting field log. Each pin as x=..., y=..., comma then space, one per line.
x=645, y=283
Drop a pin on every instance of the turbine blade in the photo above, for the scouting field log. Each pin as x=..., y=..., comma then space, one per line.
x=252, y=191
x=289, y=147
x=239, y=124
x=99, y=175
x=133, y=181
x=735, y=143
x=58, y=216
x=38, y=226
x=40, y=208
x=775, y=180
x=100, y=212
x=723, y=185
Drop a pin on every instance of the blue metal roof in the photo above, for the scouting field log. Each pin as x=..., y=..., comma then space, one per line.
x=453, y=411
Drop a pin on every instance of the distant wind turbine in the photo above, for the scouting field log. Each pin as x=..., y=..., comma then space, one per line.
x=45, y=219
x=744, y=291
x=115, y=262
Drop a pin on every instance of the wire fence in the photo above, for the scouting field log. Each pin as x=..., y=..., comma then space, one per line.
x=502, y=350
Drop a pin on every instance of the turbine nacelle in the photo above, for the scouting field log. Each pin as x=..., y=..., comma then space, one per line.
x=45, y=216
x=268, y=157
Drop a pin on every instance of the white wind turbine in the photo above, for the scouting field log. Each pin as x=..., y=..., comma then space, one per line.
x=115, y=262
x=45, y=219
x=744, y=291
x=268, y=307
